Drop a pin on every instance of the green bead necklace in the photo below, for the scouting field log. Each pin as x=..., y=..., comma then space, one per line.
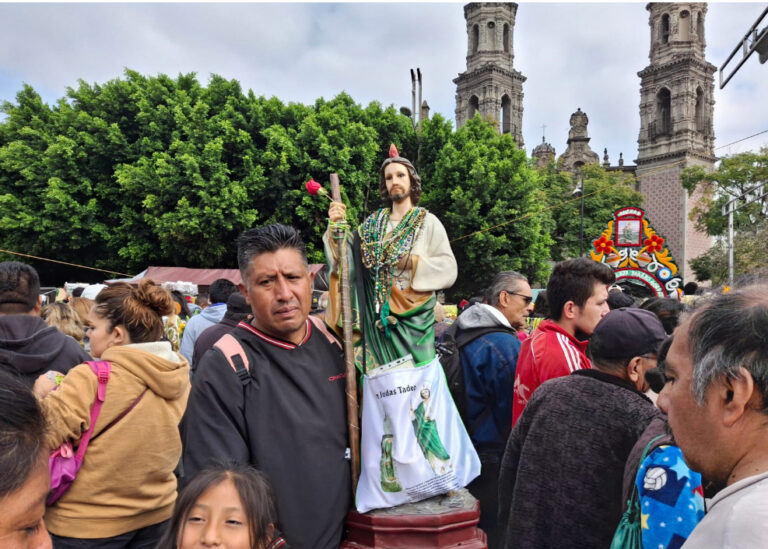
x=382, y=254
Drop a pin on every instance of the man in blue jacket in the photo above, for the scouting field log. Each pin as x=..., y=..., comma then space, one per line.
x=219, y=292
x=488, y=364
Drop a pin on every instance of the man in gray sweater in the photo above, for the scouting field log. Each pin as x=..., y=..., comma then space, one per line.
x=561, y=474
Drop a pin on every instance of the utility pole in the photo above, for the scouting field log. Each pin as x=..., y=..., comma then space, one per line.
x=728, y=209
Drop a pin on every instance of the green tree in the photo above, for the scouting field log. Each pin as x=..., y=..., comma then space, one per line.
x=604, y=193
x=489, y=201
x=733, y=178
x=164, y=170
x=750, y=258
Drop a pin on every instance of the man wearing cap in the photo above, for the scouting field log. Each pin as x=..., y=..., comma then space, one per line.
x=561, y=475
x=404, y=257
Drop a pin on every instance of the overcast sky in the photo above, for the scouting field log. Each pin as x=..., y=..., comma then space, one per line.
x=573, y=55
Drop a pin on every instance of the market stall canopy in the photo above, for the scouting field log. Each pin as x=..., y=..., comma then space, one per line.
x=200, y=277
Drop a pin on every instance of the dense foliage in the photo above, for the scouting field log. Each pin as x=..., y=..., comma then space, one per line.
x=156, y=170
x=604, y=193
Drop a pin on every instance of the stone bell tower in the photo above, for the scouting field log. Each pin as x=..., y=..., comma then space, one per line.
x=490, y=85
x=676, y=111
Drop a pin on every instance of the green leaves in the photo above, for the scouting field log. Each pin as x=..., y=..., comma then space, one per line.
x=485, y=193
x=604, y=193
x=734, y=176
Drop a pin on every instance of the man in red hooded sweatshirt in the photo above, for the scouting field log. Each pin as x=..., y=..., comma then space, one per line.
x=577, y=293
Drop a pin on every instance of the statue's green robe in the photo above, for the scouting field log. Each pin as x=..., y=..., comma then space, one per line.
x=412, y=299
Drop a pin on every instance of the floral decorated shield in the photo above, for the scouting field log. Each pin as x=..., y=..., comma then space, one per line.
x=631, y=247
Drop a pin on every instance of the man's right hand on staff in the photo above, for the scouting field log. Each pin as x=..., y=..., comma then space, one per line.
x=337, y=211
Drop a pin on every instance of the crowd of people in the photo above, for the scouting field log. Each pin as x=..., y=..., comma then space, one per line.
x=603, y=419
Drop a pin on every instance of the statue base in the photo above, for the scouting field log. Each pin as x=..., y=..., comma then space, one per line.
x=445, y=521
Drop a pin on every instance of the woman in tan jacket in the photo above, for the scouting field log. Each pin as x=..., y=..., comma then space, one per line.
x=124, y=493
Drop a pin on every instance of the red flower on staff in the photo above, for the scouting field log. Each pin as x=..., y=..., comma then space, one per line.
x=654, y=244
x=603, y=244
x=313, y=187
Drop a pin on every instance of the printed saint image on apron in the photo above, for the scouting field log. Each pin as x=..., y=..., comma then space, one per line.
x=413, y=443
x=389, y=482
x=428, y=437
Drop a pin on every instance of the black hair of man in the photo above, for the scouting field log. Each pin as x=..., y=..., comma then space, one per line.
x=667, y=309
x=22, y=433
x=541, y=305
x=690, y=288
x=266, y=239
x=617, y=300
x=575, y=280
x=655, y=376
x=237, y=307
x=19, y=287
x=220, y=290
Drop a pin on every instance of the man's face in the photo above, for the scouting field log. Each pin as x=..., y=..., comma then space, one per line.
x=21, y=522
x=515, y=307
x=593, y=310
x=398, y=182
x=692, y=425
x=279, y=291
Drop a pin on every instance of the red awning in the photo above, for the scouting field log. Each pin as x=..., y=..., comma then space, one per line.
x=201, y=277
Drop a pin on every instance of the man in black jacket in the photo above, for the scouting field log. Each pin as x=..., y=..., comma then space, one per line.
x=561, y=475
x=286, y=412
x=237, y=310
x=28, y=346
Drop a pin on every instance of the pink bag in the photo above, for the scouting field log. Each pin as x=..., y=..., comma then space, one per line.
x=64, y=463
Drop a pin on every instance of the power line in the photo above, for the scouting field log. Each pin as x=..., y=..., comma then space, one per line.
x=740, y=140
x=65, y=263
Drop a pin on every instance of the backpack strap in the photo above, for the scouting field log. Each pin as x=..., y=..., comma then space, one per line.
x=233, y=351
x=102, y=369
x=323, y=328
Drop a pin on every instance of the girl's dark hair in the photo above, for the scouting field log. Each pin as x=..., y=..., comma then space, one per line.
x=255, y=493
x=139, y=309
x=22, y=433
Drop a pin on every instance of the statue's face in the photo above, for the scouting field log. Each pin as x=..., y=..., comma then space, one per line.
x=398, y=182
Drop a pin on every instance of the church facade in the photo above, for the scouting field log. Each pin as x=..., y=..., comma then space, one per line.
x=676, y=111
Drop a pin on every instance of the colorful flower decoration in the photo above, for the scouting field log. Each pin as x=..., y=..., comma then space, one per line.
x=654, y=243
x=603, y=244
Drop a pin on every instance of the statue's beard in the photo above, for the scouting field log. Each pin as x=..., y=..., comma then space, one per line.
x=395, y=197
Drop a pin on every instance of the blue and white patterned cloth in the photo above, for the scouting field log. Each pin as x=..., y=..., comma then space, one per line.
x=671, y=498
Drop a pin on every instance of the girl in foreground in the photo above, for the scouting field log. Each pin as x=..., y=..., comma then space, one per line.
x=230, y=506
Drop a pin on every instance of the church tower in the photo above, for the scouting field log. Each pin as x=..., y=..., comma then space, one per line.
x=676, y=110
x=490, y=85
